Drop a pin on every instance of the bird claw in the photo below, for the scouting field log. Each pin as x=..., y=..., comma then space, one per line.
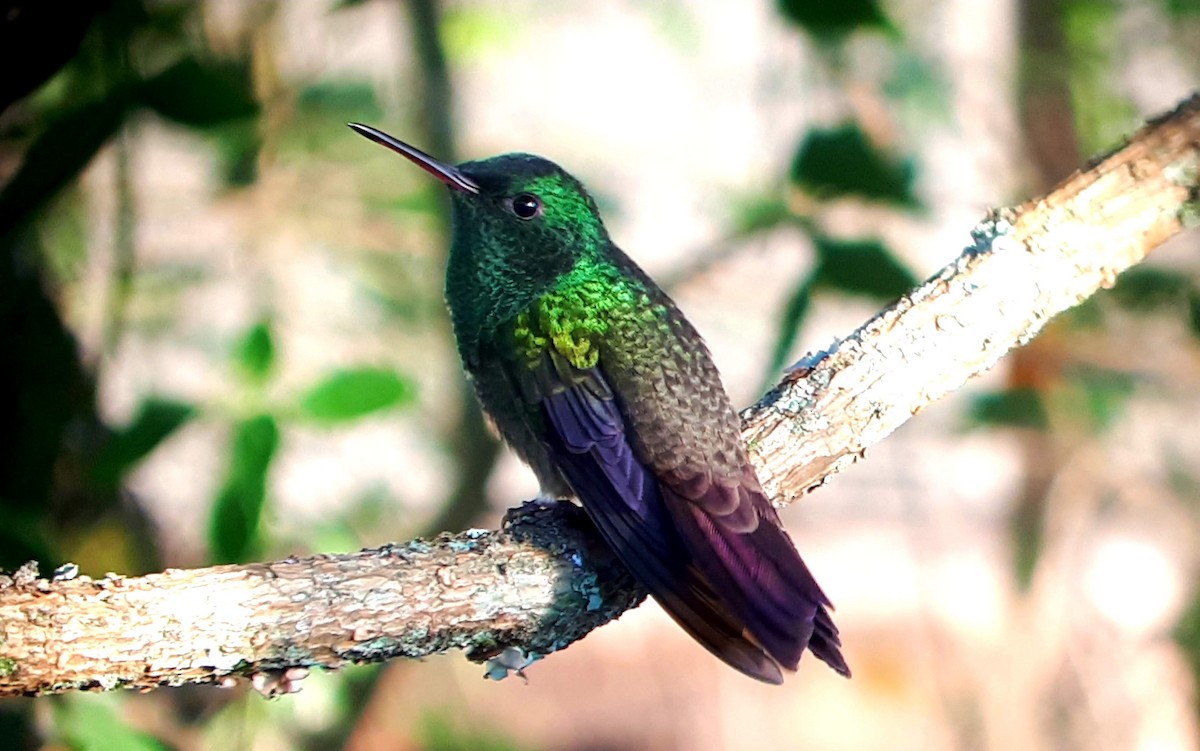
x=510, y=659
x=275, y=683
x=65, y=572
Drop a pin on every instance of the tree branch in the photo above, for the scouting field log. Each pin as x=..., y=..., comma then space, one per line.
x=544, y=579
x=1026, y=265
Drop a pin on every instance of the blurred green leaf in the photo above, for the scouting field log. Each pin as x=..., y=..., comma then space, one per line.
x=441, y=732
x=1104, y=114
x=348, y=100
x=758, y=214
x=475, y=32
x=1092, y=397
x=862, y=267
x=1014, y=408
x=44, y=387
x=91, y=723
x=844, y=163
x=36, y=41
x=919, y=88
x=22, y=539
x=201, y=94
x=238, y=146
x=1027, y=527
x=833, y=20
x=170, y=19
x=1194, y=312
x=349, y=394
x=59, y=154
x=155, y=421
x=1088, y=315
x=1187, y=635
x=255, y=356
x=794, y=313
x=17, y=726
x=1146, y=288
x=1104, y=394
x=64, y=236
x=1181, y=9
x=234, y=530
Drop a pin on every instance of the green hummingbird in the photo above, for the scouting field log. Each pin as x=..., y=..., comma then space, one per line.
x=597, y=381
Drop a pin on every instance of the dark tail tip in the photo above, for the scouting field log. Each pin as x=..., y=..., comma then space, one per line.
x=826, y=645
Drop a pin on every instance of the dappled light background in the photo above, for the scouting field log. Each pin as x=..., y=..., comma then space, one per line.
x=225, y=341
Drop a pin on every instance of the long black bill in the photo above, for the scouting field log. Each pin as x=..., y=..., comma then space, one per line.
x=448, y=174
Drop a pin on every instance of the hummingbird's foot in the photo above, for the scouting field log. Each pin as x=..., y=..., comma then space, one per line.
x=510, y=659
x=275, y=683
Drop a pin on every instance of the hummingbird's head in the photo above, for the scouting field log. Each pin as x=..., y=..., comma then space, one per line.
x=522, y=216
x=527, y=207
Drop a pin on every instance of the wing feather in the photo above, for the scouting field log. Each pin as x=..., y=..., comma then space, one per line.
x=587, y=443
x=713, y=556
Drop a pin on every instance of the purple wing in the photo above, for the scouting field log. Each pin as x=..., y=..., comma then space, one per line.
x=732, y=580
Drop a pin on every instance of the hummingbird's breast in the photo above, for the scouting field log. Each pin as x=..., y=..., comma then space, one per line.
x=574, y=318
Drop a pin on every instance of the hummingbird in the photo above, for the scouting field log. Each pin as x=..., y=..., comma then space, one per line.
x=596, y=380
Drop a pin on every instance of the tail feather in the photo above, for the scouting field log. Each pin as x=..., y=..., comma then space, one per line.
x=826, y=644
x=763, y=580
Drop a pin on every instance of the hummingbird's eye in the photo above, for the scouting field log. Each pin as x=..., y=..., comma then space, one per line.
x=526, y=205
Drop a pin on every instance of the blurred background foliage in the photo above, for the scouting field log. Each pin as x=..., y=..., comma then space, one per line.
x=223, y=341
